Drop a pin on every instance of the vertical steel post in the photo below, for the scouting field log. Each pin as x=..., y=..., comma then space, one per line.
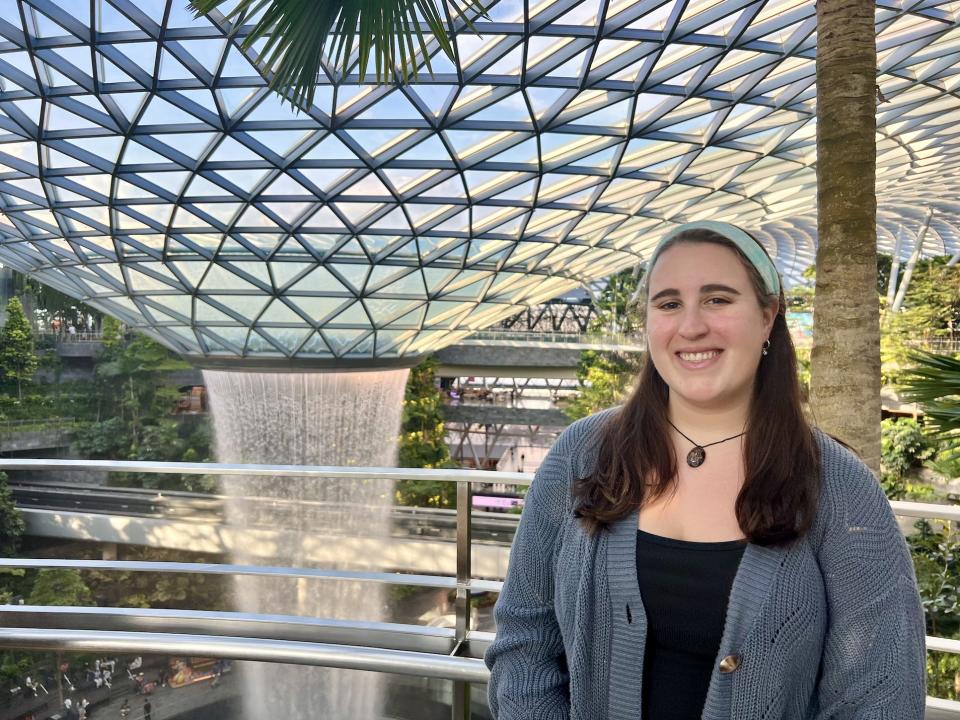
x=912, y=263
x=461, y=690
x=894, y=268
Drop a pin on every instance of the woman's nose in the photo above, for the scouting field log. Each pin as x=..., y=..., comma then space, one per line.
x=692, y=323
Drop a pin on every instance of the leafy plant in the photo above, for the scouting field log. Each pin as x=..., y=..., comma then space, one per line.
x=934, y=381
x=297, y=35
x=17, y=357
x=423, y=441
x=606, y=377
x=903, y=445
x=59, y=586
x=12, y=526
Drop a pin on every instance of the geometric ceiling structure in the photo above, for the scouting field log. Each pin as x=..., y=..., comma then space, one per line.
x=146, y=169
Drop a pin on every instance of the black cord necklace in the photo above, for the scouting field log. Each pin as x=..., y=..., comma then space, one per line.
x=696, y=457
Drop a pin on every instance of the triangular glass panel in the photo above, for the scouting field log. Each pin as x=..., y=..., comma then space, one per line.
x=279, y=312
x=192, y=144
x=390, y=340
x=438, y=278
x=284, y=272
x=317, y=243
x=137, y=154
x=230, y=150
x=385, y=274
x=206, y=52
x=318, y=309
x=355, y=315
x=235, y=100
x=319, y=280
x=384, y=310
x=173, y=69
x=435, y=97
x=395, y=106
x=341, y=340
x=286, y=185
x=201, y=187
x=316, y=345
x=161, y=112
x=330, y=148
x=354, y=275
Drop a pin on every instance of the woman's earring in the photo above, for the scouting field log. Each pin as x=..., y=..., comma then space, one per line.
x=766, y=347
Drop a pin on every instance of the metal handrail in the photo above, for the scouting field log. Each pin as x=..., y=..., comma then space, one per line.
x=484, y=477
x=383, y=635
x=435, y=581
x=462, y=670
x=348, y=657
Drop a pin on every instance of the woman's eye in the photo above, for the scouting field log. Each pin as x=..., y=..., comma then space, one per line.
x=719, y=301
x=672, y=305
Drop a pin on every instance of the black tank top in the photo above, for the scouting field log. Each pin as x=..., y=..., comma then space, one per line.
x=685, y=587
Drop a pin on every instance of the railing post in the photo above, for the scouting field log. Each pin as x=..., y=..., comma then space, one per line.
x=461, y=690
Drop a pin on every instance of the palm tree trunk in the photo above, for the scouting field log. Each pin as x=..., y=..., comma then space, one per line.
x=845, y=361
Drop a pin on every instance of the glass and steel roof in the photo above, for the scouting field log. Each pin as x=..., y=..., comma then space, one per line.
x=145, y=167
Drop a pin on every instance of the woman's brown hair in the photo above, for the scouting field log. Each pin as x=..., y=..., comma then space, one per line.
x=778, y=500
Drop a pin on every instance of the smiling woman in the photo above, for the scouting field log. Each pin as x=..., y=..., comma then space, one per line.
x=764, y=577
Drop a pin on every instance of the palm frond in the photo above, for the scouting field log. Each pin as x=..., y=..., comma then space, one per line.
x=934, y=381
x=302, y=34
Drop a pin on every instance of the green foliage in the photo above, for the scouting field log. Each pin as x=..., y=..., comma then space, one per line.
x=903, y=445
x=111, y=335
x=936, y=551
x=931, y=310
x=12, y=526
x=105, y=440
x=614, y=308
x=947, y=460
x=51, y=302
x=59, y=586
x=301, y=33
x=423, y=441
x=177, y=591
x=133, y=406
x=14, y=667
x=606, y=377
x=605, y=380
x=934, y=380
x=17, y=357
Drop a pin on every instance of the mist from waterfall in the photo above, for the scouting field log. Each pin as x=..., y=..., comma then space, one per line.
x=334, y=419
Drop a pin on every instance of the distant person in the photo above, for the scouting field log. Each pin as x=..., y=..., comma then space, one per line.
x=147, y=710
x=70, y=712
x=35, y=685
x=125, y=709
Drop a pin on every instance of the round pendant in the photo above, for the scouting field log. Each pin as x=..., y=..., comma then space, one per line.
x=696, y=457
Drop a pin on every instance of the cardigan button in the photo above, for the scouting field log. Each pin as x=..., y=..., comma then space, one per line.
x=729, y=663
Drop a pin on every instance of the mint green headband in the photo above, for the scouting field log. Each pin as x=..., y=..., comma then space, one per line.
x=747, y=245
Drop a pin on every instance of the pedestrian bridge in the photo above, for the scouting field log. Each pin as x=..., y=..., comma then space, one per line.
x=442, y=663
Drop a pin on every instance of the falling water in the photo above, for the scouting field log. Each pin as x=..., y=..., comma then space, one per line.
x=342, y=419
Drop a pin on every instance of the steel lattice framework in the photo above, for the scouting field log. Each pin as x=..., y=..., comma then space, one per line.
x=145, y=167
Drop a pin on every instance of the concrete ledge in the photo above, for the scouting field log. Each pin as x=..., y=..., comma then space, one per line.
x=395, y=554
x=499, y=414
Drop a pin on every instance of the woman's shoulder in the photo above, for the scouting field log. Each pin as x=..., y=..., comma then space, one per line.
x=572, y=456
x=848, y=487
x=584, y=433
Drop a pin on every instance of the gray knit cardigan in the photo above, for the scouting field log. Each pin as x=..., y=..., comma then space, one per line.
x=828, y=628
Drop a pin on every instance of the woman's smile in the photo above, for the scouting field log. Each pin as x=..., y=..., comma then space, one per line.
x=698, y=360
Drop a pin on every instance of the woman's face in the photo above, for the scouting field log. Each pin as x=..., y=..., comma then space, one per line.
x=705, y=328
